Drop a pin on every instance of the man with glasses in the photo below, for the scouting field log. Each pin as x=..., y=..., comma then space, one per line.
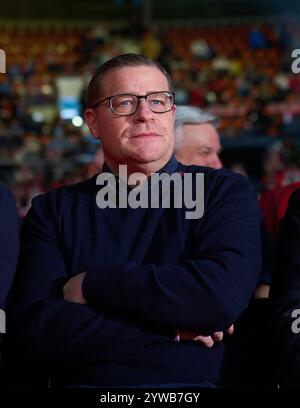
x=122, y=296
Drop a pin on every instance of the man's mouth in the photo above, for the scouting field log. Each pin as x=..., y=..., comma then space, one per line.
x=148, y=134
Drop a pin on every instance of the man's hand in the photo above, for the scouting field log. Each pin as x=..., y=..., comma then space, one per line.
x=262, y=291
x=73, y=289
x=207, y=341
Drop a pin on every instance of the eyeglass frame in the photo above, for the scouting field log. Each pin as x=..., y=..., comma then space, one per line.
x=109, y=98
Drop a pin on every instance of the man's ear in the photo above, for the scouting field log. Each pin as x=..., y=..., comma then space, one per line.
x=92, y=122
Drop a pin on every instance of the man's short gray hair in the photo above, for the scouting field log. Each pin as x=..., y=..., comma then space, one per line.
x=186, y=114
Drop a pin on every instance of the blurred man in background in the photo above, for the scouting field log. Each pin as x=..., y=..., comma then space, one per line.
x=196, y=138
x=197, y=141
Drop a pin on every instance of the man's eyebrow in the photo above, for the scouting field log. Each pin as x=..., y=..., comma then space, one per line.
x=208, y=149
x=138, y=93
x=201, y=148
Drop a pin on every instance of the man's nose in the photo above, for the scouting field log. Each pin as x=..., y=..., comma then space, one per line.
x=216, y=163
x=143, y=112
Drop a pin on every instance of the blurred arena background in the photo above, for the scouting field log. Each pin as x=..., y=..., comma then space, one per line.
x=230, y=57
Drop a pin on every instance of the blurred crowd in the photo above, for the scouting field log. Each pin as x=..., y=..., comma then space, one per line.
x=240, y=72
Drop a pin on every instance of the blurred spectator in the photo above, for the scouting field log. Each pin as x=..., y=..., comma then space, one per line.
x=151, y=45
x=196, y=138
x=257, y=39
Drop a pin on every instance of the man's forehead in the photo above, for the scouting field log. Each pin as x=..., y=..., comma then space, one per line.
x=193, y=127
x=131, y=78
x=201, y=135
x=200, y=130
x=136, y=68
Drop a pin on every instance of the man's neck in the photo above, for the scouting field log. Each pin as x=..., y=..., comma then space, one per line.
x=135, y=170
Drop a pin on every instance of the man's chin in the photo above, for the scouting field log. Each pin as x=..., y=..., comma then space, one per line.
x=148, y=155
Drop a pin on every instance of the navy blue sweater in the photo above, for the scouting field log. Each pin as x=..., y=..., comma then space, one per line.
x=9, y=250
x=149, y=271
x=9, y=242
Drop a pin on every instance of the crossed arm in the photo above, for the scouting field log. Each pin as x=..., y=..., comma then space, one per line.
x=72, y=291
x=202, y=296
x=208, y=292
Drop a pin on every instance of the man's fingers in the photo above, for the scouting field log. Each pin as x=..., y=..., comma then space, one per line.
x=187, y=335
x=72, y=290
x=218, y=336
x=207, y=341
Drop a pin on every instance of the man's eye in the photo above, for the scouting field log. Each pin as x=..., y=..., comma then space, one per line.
x=204, y=153
x=157, y=102
x=125, y=102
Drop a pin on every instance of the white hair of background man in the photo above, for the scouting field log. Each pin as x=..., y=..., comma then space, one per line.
x=186, y=114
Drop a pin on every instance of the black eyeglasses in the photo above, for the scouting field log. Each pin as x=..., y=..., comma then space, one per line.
x=127, y=104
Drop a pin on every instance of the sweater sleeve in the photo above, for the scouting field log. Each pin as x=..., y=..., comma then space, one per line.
x=44, y=326
x=9, y=242
x=206, y=293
